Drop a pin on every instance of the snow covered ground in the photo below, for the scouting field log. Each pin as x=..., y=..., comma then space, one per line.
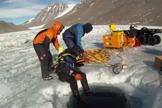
x=22, y=86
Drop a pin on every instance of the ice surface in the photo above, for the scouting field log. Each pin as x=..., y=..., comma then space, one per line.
x=22, y=86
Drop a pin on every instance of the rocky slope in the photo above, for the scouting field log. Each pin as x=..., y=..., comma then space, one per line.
x=97, y=12
x=50, y=12
x=141, y=12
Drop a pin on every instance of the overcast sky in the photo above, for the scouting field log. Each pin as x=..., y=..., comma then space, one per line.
x=19, y=11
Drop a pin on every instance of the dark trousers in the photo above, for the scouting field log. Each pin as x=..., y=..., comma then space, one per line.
x=69, y=42
x=45, y=58
x=73, y=83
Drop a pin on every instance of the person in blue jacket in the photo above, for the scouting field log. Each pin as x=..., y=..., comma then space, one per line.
x=72, y=36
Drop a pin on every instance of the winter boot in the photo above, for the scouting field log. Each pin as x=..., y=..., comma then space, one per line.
x=88, y=93
x=47, y=78
x=53, y=70
x=81, y=103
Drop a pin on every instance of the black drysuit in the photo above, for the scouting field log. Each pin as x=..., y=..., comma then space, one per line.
x=66, y=71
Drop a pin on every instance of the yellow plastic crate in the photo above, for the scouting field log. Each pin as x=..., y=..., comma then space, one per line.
x=113, y=41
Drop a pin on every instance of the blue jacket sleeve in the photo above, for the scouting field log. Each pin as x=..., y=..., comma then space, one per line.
x=79, y=35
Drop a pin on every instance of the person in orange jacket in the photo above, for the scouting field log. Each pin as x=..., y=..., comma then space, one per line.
x=41, y=44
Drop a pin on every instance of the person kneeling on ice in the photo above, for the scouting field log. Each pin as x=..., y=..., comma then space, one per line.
x=67, y=72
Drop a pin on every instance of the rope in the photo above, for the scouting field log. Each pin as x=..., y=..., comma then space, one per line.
x=100, y=56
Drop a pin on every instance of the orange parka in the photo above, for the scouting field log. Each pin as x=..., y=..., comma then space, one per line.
x=49, y=35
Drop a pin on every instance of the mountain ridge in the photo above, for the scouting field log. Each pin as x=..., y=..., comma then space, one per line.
x=97, y=12
x=121, y=12
x=47, y=14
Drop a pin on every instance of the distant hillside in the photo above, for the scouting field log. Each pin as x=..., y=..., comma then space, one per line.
x=97, y=12
x=10, y=27
x=47, y=14
x=123, y=12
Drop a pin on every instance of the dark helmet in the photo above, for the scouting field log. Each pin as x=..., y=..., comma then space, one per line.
x=76, y=51
x=87, y=27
